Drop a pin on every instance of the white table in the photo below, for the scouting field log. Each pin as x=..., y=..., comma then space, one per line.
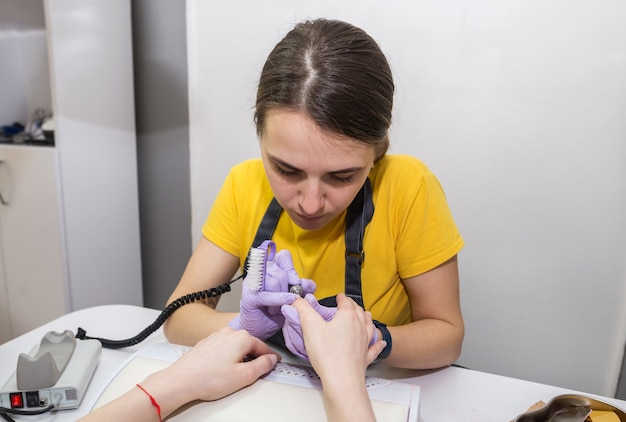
x=447, y=395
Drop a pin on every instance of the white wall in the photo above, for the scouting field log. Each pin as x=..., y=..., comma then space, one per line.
x=162, y=123
x=24, y=84
x=518, y=107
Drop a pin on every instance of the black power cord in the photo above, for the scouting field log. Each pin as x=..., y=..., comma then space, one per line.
x=165, y=314
x=6, y=417
x=4, y=411
x=81, y=334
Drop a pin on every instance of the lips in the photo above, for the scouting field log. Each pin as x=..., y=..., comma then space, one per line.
x=309, y=222
x=310, y=219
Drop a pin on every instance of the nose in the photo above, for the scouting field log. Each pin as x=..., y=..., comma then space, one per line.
x=311, y=198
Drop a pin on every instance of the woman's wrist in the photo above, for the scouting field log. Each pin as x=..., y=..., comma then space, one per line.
x=346, y=398
x=166, y=391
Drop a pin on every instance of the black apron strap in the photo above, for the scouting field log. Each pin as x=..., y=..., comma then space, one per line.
x=267, y=227
x=268, y=223
x=358, y=216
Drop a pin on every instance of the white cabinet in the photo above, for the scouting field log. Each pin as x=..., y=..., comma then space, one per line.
x=30, y=229
x=69, y=236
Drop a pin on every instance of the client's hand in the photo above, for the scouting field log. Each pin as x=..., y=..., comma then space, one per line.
x=347, y=337
x=340, y=351
x=292, y=331
x=217, y=366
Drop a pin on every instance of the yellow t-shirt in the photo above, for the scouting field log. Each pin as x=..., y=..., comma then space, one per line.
x=412, y=231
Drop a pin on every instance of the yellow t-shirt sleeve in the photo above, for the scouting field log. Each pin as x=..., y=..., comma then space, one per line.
x=430, y=231
x=413, y=215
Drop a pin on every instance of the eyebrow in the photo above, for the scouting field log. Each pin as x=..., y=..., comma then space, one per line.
x=277, y=160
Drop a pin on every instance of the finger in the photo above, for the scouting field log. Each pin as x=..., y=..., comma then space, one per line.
x=254, y=347
x=290, y=313
x=375, y=350
x=312, y=300
x=267, y=362
x=276, y=279
x=285, y=262
x=292, y=332
x=259, y=366
x=274, y=298
x=346, y=304
x=325, y=312
x=344, y=301
x=309, y=286
x=372, y=331
x=304, y=307
x=309, y=314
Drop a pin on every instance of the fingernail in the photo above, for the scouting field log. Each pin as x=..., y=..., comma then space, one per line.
x=274, y=359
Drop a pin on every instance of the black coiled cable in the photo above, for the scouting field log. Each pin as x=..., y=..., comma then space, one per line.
x=165, y=314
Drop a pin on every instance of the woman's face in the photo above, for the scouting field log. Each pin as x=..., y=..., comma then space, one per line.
x=314, y=174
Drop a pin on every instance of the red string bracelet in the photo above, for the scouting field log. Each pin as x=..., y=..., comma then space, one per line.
x=153, y=401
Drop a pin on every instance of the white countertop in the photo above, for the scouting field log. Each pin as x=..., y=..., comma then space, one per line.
x=447, y=395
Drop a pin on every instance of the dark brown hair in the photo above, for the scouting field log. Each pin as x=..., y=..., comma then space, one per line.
x=336, y=74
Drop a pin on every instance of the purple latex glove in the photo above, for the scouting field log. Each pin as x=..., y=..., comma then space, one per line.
x=284, y=261
x=292, y=330
x=253, y=311
x=281, y=275
x=260, y=310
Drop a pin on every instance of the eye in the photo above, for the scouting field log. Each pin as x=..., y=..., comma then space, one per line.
x=342, y=179
x=284, y=172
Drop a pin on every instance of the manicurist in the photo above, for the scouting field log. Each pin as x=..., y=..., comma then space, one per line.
x=344, y=215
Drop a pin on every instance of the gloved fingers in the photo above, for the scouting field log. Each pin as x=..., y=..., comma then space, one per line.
x=294, y=343
x=285, y=262
x=257, y=323
x=325, y=312
x=292, y=332
x=291, y=314
x=259, y=299
x=276, y=279
x=312, y=301
x=273, y=310
x=308, y=286
x=293, y=347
